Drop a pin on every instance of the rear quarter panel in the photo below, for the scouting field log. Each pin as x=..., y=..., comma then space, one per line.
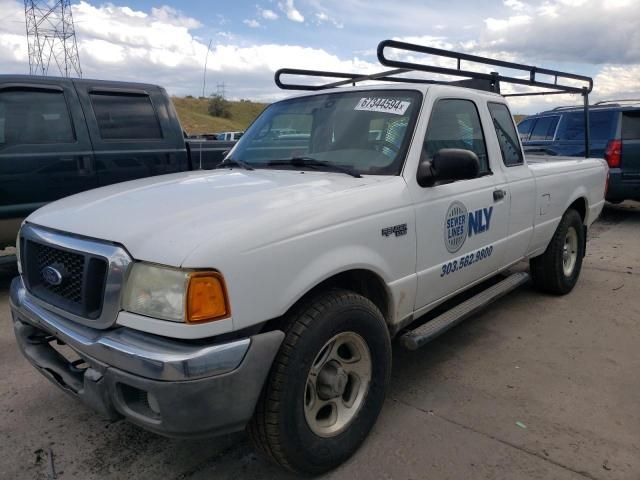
x=560, y=181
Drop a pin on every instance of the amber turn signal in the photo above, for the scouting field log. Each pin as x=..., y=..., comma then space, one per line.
x=206, y=297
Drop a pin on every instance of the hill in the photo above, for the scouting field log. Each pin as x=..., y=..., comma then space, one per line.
x=195, y=119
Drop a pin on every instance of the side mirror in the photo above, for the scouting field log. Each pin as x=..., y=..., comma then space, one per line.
x=448, y=165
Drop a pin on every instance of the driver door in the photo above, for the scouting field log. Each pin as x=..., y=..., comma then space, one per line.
x=460, y=225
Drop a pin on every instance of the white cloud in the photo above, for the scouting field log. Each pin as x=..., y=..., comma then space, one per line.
x=573, y=3
x=167, y=14
x=428, y=40
x=291, y=11
x=322, y=17
x=103, y=51
x=499, y=24
x=578, y=31
x=548, y=10
x=268, y=14
x=164, y=28
x=620, y=80
x=252, y=23
x=516, y=5
x=158, y=46
x=619, y=3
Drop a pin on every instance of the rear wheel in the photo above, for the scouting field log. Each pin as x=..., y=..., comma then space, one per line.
x=558, y=268
x=327, y=384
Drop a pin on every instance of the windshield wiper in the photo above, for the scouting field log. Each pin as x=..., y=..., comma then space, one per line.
x=230, y=162
x=314, y=163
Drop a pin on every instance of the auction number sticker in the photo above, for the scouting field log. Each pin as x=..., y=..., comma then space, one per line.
x=386, y=105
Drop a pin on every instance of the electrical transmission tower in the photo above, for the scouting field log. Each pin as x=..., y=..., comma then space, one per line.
x=51, y=37
x=221, y=90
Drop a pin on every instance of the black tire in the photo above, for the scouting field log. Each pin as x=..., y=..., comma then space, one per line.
x=547, y=270
x=279, y=428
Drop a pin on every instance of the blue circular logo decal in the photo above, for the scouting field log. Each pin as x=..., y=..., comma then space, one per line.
x=455, y=227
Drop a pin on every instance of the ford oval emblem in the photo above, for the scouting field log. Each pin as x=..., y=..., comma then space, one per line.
x=51, y=275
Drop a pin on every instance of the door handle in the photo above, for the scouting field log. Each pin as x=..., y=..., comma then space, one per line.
x=84, y=165
x=499, y=195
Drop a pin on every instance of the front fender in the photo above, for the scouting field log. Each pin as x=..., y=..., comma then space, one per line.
x=334, y=262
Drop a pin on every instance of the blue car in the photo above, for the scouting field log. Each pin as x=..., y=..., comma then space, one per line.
x=615, y=136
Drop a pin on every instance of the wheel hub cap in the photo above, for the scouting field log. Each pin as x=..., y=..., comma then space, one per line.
x=570, y=252
x=332, y=381
x=337, y=384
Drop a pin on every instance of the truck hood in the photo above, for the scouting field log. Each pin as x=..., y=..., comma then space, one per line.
x=163, y=219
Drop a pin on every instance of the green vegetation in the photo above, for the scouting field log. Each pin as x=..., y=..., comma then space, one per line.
x=219, y=107
x=194, y=115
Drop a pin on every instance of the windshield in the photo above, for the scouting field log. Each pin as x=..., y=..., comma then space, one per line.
x=367, y=132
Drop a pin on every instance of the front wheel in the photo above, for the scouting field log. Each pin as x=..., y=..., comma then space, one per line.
x=327, y=384
x=558, y=268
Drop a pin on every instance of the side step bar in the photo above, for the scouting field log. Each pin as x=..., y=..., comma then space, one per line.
x=414, y=339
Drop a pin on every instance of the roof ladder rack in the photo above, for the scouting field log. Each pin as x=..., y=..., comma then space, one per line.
x=563, y=82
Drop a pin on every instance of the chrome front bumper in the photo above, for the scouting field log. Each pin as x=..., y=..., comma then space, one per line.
x=171, y=387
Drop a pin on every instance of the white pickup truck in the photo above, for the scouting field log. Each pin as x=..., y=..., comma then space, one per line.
x=266, y=293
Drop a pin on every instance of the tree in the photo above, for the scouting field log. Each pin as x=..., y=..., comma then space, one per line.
x=219, y=107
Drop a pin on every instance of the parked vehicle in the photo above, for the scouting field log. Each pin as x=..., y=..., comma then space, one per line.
x=615, y=136
x=228, y=136
x=63, y=136
x=267, y=296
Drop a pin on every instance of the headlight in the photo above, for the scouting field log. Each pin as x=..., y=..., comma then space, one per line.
x=176, y=295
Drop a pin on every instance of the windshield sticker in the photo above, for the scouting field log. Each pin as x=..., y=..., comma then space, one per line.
x=385, y=105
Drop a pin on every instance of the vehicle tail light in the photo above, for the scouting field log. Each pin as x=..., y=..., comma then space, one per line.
x=613, y=152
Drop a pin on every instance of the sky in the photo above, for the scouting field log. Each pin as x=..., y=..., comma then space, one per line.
x=165, y=41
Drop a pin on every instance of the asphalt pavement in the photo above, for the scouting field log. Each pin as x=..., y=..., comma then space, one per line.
x=534, y=387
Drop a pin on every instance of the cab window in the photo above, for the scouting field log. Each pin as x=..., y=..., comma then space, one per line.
x=125, y=116
x=455, y=123
x=506, y=133
x=32, y=117
x=524, y=128
x=544, y=129
x=601, y=126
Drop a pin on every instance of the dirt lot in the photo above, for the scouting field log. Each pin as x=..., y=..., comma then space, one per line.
x=535, y=387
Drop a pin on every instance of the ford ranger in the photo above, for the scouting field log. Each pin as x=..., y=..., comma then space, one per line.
x=265, y=295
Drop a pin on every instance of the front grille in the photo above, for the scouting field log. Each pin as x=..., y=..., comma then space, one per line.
x=78, y=281
x=71, y=288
